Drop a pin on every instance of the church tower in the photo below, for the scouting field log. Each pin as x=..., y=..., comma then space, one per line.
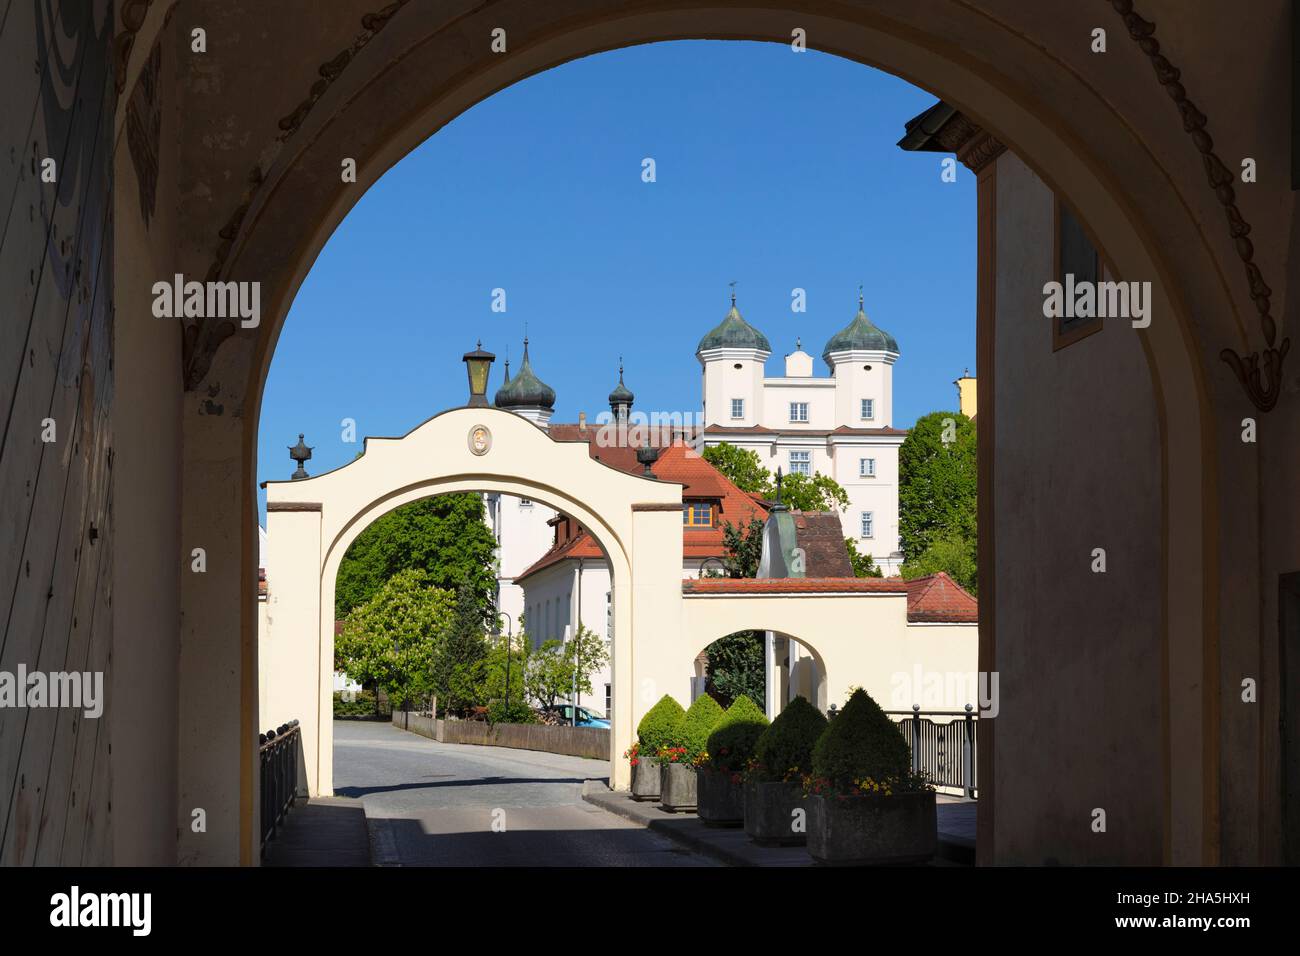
x=732, y=356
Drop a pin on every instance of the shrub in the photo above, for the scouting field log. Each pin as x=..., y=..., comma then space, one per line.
x=861, y=743
x=517, y=713
x=662, y=726
x=701, y=718
x=784, y=751
x=731, y=744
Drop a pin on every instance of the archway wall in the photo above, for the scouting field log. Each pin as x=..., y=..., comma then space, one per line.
x=860, y=640
x=248, y=187
x=311, y=523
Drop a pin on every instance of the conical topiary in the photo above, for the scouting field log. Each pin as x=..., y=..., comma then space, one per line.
x=784, y=751
x=732, y=742
x=662, y=726
x=862, y=742
x=702, y=716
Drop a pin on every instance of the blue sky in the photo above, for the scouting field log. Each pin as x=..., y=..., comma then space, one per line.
x=774, y=169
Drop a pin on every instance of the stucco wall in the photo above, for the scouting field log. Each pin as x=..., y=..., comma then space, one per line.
x=1077, y=467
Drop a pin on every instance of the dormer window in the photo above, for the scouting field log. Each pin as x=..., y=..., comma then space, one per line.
x=697, y=514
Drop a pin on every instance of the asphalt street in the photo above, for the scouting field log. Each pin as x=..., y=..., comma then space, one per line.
x=433, y=804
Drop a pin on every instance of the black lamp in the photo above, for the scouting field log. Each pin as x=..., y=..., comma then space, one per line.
x=478, y=363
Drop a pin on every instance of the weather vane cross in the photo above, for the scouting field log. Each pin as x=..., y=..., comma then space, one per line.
x=732, y=283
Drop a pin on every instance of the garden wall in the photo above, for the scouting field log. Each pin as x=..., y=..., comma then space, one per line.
x=590, y=742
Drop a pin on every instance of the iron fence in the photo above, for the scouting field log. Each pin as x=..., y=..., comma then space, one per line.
x=943, y=751
x=280, y=753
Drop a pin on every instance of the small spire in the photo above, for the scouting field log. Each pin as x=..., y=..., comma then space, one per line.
x=620, y=370
x=732, y=283
x=798, y=344
x=777, y=505
x=859, y=296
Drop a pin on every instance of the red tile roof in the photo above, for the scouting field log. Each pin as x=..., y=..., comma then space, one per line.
x=933, y=599
x=677, y=462
x=938, y=598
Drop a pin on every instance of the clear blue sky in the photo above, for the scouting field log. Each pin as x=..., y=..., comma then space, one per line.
x=774, y=169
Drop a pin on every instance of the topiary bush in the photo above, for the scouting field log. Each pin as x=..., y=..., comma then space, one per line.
x=862, y=742
x=732, y=742
x=785, y=749
x=702, y=716
x=662, y=726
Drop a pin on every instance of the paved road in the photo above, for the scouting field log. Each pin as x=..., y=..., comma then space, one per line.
x=432, y=804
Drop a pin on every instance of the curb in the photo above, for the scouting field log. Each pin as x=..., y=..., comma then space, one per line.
x=663, y=827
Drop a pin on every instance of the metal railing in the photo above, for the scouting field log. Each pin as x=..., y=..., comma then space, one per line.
x=945, y=751
x=279, y=752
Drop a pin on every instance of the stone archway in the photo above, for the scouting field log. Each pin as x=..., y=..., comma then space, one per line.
x=1108, y=139
x=311, y=522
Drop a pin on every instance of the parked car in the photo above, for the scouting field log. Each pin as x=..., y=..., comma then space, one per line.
x=586, y=718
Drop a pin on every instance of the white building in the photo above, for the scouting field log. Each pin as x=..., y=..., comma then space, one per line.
x=841, y=425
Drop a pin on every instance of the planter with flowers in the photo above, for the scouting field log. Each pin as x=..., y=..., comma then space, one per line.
x=775, y=807
x=678, y=760
x=865, y=806
x=721, y=775
x=659, y=728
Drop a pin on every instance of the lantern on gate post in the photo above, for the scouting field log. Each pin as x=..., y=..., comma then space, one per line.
x=477, y=364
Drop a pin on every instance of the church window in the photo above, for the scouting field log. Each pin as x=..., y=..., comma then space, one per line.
x=737, y=408
x=868, y=408
x=866, y=467
x=798, y=411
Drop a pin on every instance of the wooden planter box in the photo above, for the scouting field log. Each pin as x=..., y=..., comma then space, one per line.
x=645, y=780
x=873, y=830
x=721, y=802
x=770, y=813
x=677, y=787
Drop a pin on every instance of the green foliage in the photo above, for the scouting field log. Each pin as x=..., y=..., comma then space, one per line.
x=861, y=742
x=391, y=641
x=741, y=465
x=951, y=553
x=784, y=751
x=495, y=670
x=664, y=725
x=444, y=536
x=362, y=705
x=738, y=666
x=732, y=742
x=815, y=492
x=863, y=566
x=701, y=717
x=550, y=673
x=458, y=667
x=517, y=713
x=743, y=548
x=937, y=483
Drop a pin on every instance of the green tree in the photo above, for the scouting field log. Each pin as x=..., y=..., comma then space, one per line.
x=741, y=465
x=445, y=536
x=742, y=549
x=815, y=492
x=737, y=667
x=556, y=668
x=937, y=483
x=390, y=641
x=458, y=665
x=863, y=565
x=953, y=554
x=494, y=680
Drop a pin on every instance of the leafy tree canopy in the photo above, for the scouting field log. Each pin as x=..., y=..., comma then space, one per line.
x=738, y=667
x=816, y=492
x=953, y=554
x=555, y=667
x=458, y=665
x=391, y=640
x=937, y=482
x=445, y=536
